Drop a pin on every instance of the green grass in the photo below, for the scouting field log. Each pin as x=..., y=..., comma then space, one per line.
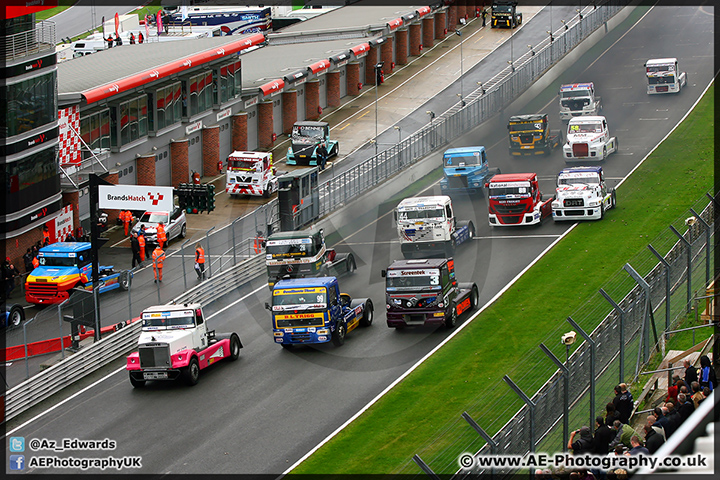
x=409, y=418
x=46, y=14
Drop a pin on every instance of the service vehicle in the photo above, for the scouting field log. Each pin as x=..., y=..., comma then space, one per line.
x=312, y=310
x=14, y=315
x=427, y=227
x=515, y=199
x=664, y=76
x=531, y=135
x=465, y=169
x=67, y=265
x=581, y=194
x=175, y=342
x=251, y=173
x=426, y=292
x=504, y=14
x=578, y=99
x=303, y=253
x=588, y=138
x=306, y=137
x=175, y=224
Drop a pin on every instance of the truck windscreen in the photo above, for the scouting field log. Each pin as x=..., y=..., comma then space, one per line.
x=244, y=165
x=585, y=128
x=314, y=298
x=505, y=191
x=421, y=214
x=462, y=160
x=57, y=261
x=524, y=127
x=308, y=134
x=587, y=180
x=575, y=93
x=290, y=248
x=411, y=279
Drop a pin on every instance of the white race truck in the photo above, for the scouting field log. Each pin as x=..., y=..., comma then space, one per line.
x=588, y=138
x=251, y=173
x=175, y=342
x=664, y=76
x=578, y=99
x=427, y=225
x=581, y=194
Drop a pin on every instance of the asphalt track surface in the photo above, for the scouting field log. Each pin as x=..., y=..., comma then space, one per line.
x=264, y=412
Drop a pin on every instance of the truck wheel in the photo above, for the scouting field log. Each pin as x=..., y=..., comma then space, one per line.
x=604, y=152
x=125, y=280
x=183, y=231
x=602, y=211
x=368, y=314
x=474, y=297
x=266, y=192
x=471, y=233
x=338, y=336
x=234, y=347
x=350, y=264
x=191, y=374
x=451, y=321
x=613, y=200
x=16, y=316
x=136, y=383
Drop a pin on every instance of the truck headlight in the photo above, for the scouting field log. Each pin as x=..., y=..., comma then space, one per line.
x=595, y=203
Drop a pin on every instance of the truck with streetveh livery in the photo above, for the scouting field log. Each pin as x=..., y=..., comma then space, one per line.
x=588, y=139
x=175, y=342
x=299, y=254
x=67, y=265
x=305, y=138
x=312, y=310
x=427, y=227
x=664, y=76
x=579, y=99
x=582, y=194
x=504, y=14
x=251, y=173
x=465, y=169
x=426, y=292
x=515, y=199
x=531, y=135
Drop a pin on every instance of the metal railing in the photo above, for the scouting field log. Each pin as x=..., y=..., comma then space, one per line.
x=38, y=40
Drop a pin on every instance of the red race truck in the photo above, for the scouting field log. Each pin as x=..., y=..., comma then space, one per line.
x=515, y=199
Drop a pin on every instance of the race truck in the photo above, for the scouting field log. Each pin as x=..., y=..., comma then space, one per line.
x=505, y=15
x=664, y=76
x=515, y=199
x=306, y=137
x=427, y=227
x=251, y=173
x=175, y=342
x=67, y=265
x=425, y=292
x=588, y=138
x=578, y=99
x=312, y=310
x=581, y=194
x=299, y=254
x=531, y=135
x=465, y=169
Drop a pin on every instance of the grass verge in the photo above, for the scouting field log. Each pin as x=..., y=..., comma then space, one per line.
x=408, y=418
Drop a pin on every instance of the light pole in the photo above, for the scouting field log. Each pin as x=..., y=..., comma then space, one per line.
x=462, y=96
x=378, y=81
x=432, y=115
x=397, y=127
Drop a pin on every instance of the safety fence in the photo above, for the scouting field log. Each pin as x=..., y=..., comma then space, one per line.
x=617, y=330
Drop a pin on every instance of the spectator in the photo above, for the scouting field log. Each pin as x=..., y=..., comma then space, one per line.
x=686, y=407
x=484, y=16
x=9, y=272
x=621, y=474
x=70, y=238
x=623, y=434
x=624, y=405
x=27, y=260
x=661, y=421
x=584, y=444
x=611, y=414
x=118, y=40
x=141, y=38
x=653, y=439
x=690, y=374
x=637, y=447
x=109, y=41
x=673, y=416
x=603, y=436
x=707, y=374
x=674, y=389
x=705, y=394
x=697, y=395
x=132, y=38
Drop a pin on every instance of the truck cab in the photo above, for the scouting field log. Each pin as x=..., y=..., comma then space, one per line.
x=504, y=14
x=250, y=173
x=465, y=169
x=175, y=342
x=312, y=310
x=588, y=139
x=582, y=194
x=427, y=227
x=306, y=137
x=579, y=99
x=664, y=76
x=67, y=265
x=515, y=199
x=531, y=135
x=426, y=292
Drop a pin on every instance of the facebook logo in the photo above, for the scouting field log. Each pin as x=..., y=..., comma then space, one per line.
x=17, y=462
x=17, y=444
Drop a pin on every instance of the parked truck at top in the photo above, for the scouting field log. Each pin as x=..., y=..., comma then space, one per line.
x=427, y=227
x=175, y=342
x=426, y=292
x=312, y=310
x=299, y=254
x=306, y=137
x=65, y=266
x=588, y=138
x=664, y=76
x=579, y=99
x=465, y=169
x=581, y=194
x=251, y=173
x=504, y=14
x=515, y=199
x=531, y=135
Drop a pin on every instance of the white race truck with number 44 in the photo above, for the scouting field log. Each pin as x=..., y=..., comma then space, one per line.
x=588, y=139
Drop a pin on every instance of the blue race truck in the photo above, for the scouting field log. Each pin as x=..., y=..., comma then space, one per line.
x=312, y=310
x=306, y=137
x=465, y=169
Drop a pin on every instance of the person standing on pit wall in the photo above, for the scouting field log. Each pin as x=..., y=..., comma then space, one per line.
x=161, y=236
x=135, y=248
x=200, y=261
x=141, y=244
x=140, y=37
x=132, y=38
x=158, y=258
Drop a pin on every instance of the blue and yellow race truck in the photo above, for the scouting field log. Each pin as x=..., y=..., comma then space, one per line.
x=465, y=169
x=67, y=265
x=312, y=310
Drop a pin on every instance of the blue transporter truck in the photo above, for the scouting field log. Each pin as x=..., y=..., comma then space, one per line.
x=312, y=310
x=465, y=169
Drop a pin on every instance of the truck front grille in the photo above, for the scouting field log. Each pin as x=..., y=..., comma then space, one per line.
x=573, y=202
x=510, y=209
x=42, y=289
x=580, y=150
x=458, y=182
x=155, y=355
x=576, y=104
x=526, y=138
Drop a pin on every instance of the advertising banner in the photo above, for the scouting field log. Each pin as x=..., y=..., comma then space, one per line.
x=136, y=197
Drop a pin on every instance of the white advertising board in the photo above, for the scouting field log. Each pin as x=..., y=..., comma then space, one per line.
x=136, y=197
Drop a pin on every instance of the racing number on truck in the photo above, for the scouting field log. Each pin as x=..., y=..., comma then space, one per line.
x=462, y=306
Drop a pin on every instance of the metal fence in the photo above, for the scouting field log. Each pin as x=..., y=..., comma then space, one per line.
x=30, y=42
x=618, y=329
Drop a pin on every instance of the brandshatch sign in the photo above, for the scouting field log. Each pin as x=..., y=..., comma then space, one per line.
x=136, y=197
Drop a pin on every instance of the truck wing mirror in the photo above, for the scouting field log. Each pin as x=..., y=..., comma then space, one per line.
x=383, y=273
x=267, y=306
